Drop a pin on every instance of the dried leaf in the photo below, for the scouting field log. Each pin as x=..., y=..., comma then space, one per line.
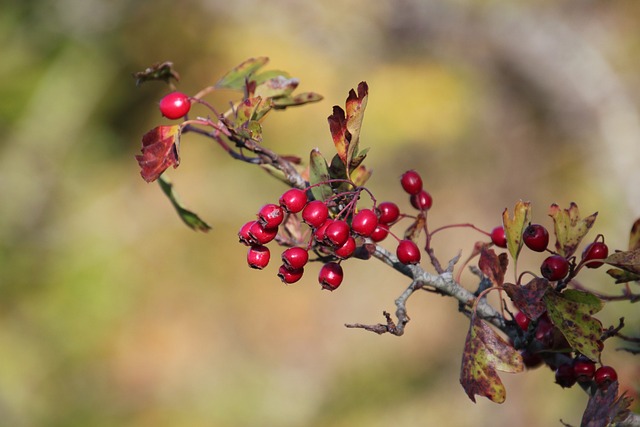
x=339, y=132
x=622, y=276
x=192, y=220
x=627, y=260
x=276, y=87
x=161, y=71
x=485, y=353
x=355, y=106
x=569, y=228
x=634, y=236
x=160, y=149
x=293, y=101
x=528, y=298
x=571, y=311
x=237, y=77
x=319, y=172
x=514, y=227
x=605, y=407
x=492, y=265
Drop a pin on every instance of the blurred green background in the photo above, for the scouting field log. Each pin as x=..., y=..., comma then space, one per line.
x=112, y=313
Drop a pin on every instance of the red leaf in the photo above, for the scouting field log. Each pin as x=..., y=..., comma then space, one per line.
x=529, y=298
x=160, y=149
x=606, y=407
x=493, y=266
x=339, y=132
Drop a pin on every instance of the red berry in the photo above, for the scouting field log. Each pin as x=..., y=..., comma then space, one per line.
x=545, y=331
x=411, y=182
x=175, y=105
x=595, y=250
x=293, y=200
x=295, y=258
x=258, y=257
x=531, y=360
x=380, y=233
x=330, y=276
x=584, y=368
x=319, y=233
x=364, y=222
x=499, y=237
x=290, y=276
x=604, y=376
x=260, y=235
x=565, y=376
x=270, y=216
x=315, y=213
x=522, y=320
x=421, y=201
x=243, y=234
x=536, y=237
x=408, y=252
x=347, y=249
x=555, y=267
x=337, y=233
x=389, y=212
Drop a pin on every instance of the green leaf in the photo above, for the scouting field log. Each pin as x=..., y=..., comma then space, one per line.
x=267, y=75
x=237, y=77
x=294, y=101
x=192, y=220
x=571, y=311
x=319, y=172
x=514, y=227
x=569, y=228
x=485, y=353
x=276, y=87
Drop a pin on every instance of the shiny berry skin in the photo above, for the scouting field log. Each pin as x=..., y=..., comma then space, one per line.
x=545, y=331
x=595, y=250
x=295, y=258
x=380, y=233
x=243, y=234
x=408, y=252
x=293, y=200
x=330, y=276
x=389, y=212
x=421, y=201
x=565, y=376
x=584, y=368
x=315, y=213
x=604, y=376
x=270, y=216
x=319, y=233
x=290, y=276
x=536, y=237
x=175, y=105
x=337, y=233
x=555, y=267
x=260, y=235
x=364, y=222
x=347, y=249
x=411, y=182
x=522, y=320
x=258, y=257
x=499, y=237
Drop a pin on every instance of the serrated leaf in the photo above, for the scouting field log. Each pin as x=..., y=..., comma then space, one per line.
x=160, y=149
x=528, y=298
x=355, y=106
x=192, y=220
x=514, y=227
x=606, y=408
x=294, y=101
x=236, y=78
x=319, y=172
x=360, y=175
x=569, y=228
x=276, y=87
x=161, y=71
x=626, y=260
x=571, y=312
x=493, y=266
x=341, y=136
x=485, y=353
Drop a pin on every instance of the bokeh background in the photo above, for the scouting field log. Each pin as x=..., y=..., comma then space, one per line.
x=112, y=313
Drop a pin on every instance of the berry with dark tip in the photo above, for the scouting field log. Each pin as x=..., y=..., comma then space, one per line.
x=258, y=257
x=584, y=368
x=388, y=212
x=347, y=249
x=270, y=216
x=290, y=276
x=536, y=237
x=295, y=258
x=293, y=200
x=337, y=233
x=330, y=276
x=260, y=235
x=555, y=267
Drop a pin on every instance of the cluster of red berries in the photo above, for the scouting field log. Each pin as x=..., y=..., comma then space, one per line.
x=175, y=105
x=333, y=239
x=555, y=267
x=583, y=370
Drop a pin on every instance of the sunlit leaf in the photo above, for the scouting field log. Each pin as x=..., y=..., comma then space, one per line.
x=528, y=298
x=160, y=149
x=569, y=228
x=236, y=78
x=319, y=172
x=485, y=353
x=339, y=133
x=192, y=220
x=492, y=265
x=293, y=101
x=276, y=87
x=514, y=227
x=161, y=71
x=360, y=175
x=267, y=75
x=355, y=106
x=571, y=311
x=606, y=408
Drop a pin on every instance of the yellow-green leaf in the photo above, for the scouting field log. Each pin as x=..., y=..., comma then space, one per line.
x=514, y=226
x=569, y=228
x=237, y=77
